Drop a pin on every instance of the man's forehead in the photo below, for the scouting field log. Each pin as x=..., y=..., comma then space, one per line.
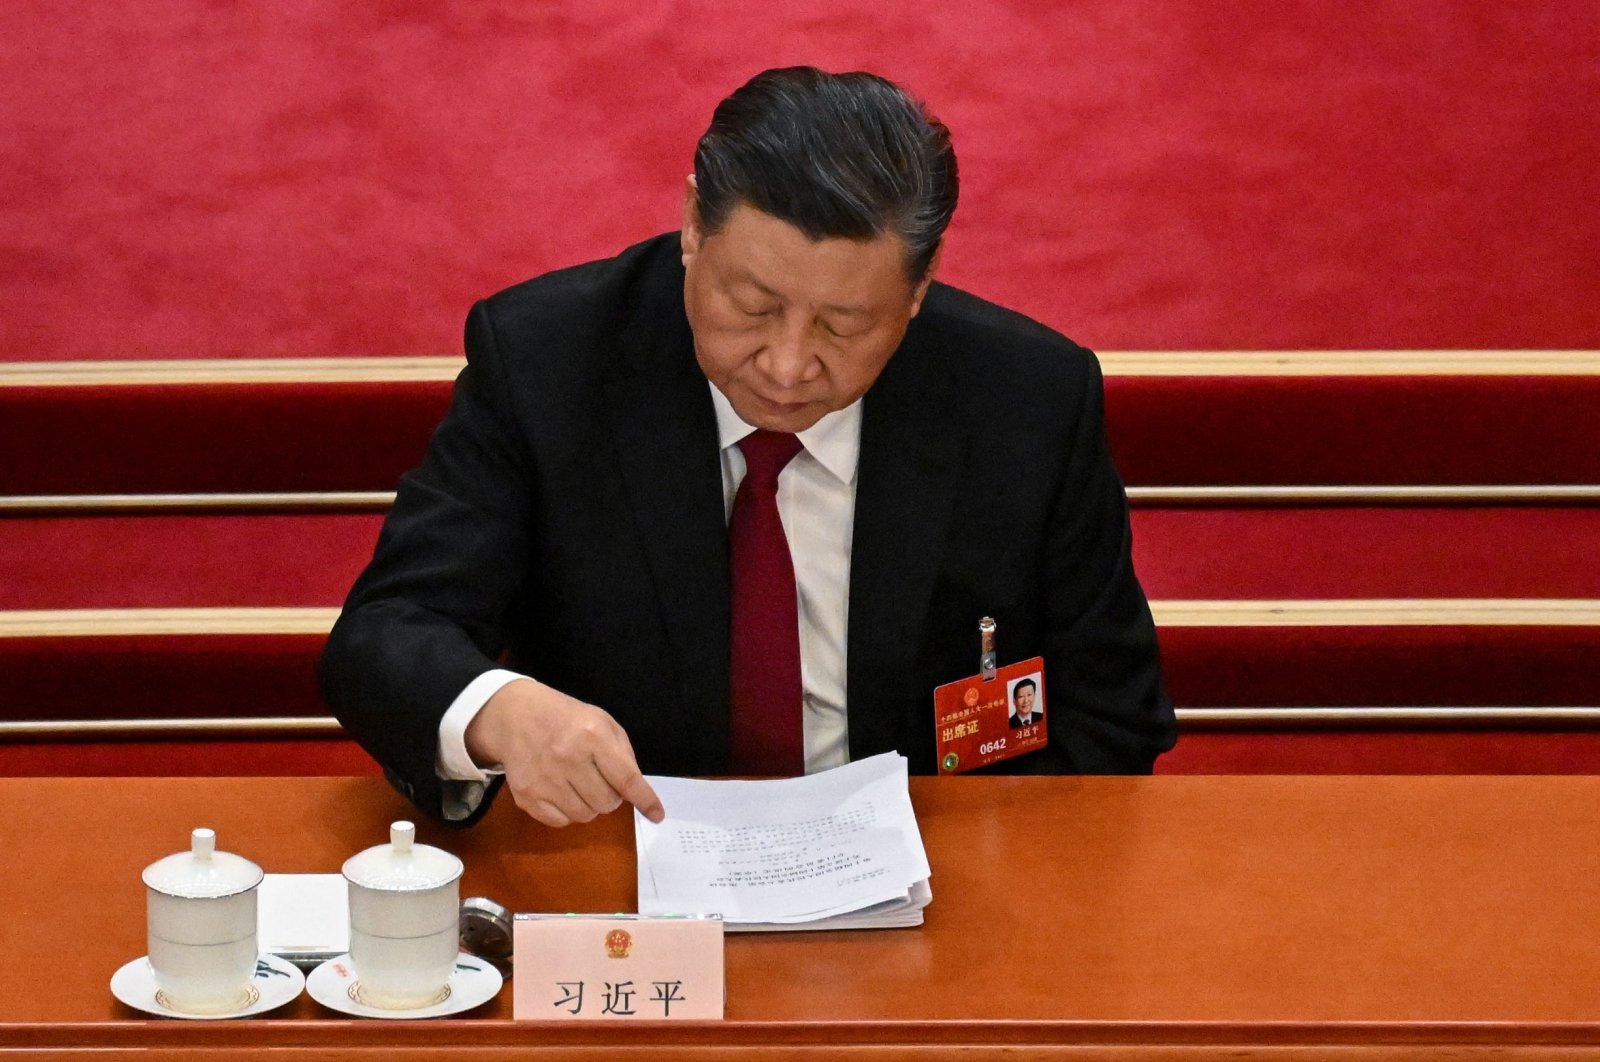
x=777, y=259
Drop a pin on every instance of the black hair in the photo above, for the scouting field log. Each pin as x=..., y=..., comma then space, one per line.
x=835, y=155
x=1024, y=682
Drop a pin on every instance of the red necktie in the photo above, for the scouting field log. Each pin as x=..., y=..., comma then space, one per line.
x=765, y=734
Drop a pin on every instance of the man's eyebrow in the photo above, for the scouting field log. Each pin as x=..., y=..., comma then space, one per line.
x=844, y=311
x=742, y=277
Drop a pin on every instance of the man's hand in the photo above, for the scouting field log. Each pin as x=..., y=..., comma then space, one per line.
x=565, y=761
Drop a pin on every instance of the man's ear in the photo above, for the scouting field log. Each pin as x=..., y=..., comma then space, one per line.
x=690, y=236
x=927, y=280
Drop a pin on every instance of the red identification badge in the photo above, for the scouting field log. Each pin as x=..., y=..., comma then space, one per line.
x=980, y=721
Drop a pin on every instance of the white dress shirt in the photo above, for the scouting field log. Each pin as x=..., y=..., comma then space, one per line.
x=817, y=503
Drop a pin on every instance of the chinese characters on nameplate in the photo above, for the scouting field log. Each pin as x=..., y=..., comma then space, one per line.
x=610, y=967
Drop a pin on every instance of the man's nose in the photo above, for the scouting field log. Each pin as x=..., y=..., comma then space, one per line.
x=789, y=359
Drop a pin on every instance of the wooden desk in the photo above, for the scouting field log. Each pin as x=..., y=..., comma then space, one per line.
x=1162, y=918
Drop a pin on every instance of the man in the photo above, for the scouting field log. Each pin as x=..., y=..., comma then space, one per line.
x=1022, y=701
x=581, y=582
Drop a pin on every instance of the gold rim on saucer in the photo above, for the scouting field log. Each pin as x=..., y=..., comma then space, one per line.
x=244, y=1001
x=357, y=996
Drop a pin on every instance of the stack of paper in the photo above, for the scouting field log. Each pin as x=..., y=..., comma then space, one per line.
x=836, y=850
x=304, y=918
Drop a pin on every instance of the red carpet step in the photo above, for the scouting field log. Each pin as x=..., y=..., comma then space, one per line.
x=1386, y=750
x=1199, y=751
x=205, y=758
x=324, y=427
x=310, y=560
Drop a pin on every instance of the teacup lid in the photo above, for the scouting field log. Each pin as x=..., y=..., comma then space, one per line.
x=402, y=865
x=202, y=872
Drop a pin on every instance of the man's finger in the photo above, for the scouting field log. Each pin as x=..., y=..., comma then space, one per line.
x=548, y=813
x=588, y=783
x=622, y=774
x=592, y=794
x=640, y=795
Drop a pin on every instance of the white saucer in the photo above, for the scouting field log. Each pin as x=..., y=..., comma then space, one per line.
x=275, y=983
x=474, y=983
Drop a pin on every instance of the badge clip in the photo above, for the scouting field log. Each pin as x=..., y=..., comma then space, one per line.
x=986, y=665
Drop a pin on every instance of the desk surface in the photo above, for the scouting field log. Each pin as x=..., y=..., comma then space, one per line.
x=1159, y=914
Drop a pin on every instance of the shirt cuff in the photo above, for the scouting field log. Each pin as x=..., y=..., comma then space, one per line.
x=453, y=763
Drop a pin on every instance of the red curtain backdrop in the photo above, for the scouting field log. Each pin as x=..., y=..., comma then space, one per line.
x=333, y=177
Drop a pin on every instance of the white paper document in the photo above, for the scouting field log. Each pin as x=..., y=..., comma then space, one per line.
x=832, y=850
x=305, y=918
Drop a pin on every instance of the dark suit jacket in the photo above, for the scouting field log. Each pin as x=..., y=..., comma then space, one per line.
x=568, y=522
x=1018, y=724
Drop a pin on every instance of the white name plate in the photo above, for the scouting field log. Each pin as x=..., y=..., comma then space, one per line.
x=588, y=967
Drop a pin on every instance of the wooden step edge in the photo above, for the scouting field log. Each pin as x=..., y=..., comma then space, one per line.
x=1131, y=363
x=1114, y=363
x=1345, y=496
x=1191, y=719
x=244, y=726
x=1356, y=612
x=1380, y=612
x=1138, y=497
x=178, y=372
x=241, y=501
x=165, y=622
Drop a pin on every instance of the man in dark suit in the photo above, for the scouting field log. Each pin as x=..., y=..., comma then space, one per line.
x=735, y=500
x=1025, y=709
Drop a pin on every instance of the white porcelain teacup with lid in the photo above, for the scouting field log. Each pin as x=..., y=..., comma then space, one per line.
x=200, y=908
x=405, y=903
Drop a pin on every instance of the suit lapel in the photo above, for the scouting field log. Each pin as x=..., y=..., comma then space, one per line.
x=666, y=435
x=911, y=443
